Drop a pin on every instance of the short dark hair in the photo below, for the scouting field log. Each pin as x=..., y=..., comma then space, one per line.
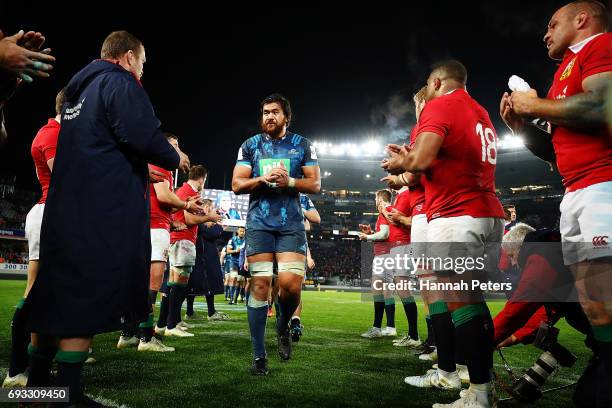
x=384, y=194
x=118, y=43
x=197, y=172
x=171, y=136
x=451, y=69
x=596, y=9
x=59, y=101
x=282, y=101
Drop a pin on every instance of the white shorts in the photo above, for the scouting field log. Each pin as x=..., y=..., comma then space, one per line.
x=403, y=265
x=32, y=231
x=182, y=253
x=465, y=238
x=586, y=223
x=382, y=268
x=160, y=242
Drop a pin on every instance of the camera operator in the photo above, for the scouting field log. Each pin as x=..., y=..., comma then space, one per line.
x=541, y=297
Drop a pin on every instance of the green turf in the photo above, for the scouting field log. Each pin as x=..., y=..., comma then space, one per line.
x=332, y=365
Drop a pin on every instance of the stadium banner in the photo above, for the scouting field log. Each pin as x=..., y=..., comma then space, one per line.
x=17, y=269
x=12, y=233
x=233, y=207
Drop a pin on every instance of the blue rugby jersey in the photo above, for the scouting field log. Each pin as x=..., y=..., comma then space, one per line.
x=271, y=208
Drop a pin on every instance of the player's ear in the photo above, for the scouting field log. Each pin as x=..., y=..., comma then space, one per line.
x=580, y=20
x=437, y=83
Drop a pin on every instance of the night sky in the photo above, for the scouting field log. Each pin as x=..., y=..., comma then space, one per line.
x=349, y=72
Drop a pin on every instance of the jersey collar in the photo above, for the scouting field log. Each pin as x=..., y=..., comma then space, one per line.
x=267, y=137
x=576, y=48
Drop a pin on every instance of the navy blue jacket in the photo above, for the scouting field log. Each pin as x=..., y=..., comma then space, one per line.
x=95, y=239
x=207, y=277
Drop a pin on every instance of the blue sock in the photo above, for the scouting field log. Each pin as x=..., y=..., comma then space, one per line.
x=232, y=292
x=247, y=295
x=227, y=291
x=257, y=317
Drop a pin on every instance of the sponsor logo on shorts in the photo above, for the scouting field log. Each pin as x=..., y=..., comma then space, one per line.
x=600, y=241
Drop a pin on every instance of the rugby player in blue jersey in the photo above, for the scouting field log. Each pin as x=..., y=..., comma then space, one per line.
x=274, y=167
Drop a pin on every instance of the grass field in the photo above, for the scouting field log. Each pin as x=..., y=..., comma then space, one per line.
x=332, y=365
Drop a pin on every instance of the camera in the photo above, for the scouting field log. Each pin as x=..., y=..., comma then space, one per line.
x=528, y=388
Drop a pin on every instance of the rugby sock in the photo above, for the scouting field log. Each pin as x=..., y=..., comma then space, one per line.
x=442, y=326
x=242, y=295
x=288, y=303
x=162, y=321
x=236, y=293
x=40, y=366
x=20, y=338
x=152, y=297
x=227, y=291
x=177, y=295
x=277, y=308
x=390, y=311
x=431, y=338
x=232, y=293
x=69, y=367
x=210, y=303
x=190, y=300
x=247, y=295
x=379, y=310
x=410, y=308
x=257, y=314
x=474, y=333
x=603, y=336
x=147, y=328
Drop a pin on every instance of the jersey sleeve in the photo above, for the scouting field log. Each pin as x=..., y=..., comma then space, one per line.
x=50, y=146
x=598, y=57
x=167, y=174
x=437, y=117
x=245, y=155
x=310, y=154
x=403, y=203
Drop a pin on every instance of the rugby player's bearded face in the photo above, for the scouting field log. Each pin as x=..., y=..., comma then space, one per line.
x=560, y=33
x=273, y=119
x=137, y=61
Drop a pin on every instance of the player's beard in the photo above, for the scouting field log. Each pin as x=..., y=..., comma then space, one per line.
x=272, y=128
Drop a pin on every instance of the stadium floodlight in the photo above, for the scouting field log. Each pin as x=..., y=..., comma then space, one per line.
x=353, y=150
x=367, y=176
x=372, y=148
x=510, y=141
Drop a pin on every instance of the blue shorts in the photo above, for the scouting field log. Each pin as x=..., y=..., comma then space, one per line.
x=264, y=242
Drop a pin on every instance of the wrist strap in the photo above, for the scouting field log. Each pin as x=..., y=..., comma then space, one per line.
x=291, y=182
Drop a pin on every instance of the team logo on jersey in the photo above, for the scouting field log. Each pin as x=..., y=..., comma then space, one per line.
x=568, y=70
x=293, y=152
x=240, y=154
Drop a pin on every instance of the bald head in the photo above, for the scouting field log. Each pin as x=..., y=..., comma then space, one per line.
x=573, y=23
x=596, y=11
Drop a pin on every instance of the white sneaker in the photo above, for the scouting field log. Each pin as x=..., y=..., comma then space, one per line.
x=433, y=379
x=389, y=332
x=20, y=380
x=160, y=330
x=154, y=345
x=184, y=326
x=433, y=356
x=218, y=316
x=373, y=333
x=177, y=332
x=468, y=399
x=407, y=342
x=126, y=342
x=462, y=370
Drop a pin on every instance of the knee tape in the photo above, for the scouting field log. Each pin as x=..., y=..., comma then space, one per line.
x=254, y=303
x=296, y=267
x=261, y=268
